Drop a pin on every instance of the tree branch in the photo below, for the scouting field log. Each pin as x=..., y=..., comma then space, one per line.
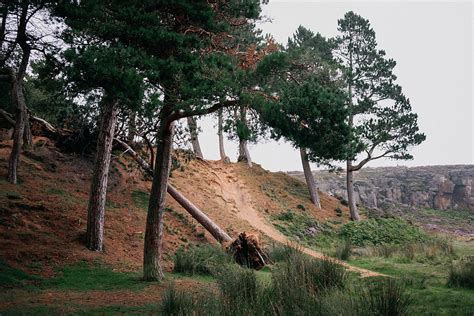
x=176, y=115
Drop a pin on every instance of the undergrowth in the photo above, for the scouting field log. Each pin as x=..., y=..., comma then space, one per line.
x=299, y=285
x=377, y=231
x=201, y=260
x=461, y=273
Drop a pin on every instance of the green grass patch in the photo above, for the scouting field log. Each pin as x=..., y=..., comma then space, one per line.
x=426, y=283
x=140, y=199
x=89, y=277
x=148, y=309
x=56, y=191
x=12, y=278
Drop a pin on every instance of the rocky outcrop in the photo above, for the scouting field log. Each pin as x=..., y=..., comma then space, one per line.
x=437, y=187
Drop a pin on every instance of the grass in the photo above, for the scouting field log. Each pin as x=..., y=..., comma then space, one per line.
x=202, y=260
x=11, y=277
x=93, y=277
x=461, y=273
x=396, y=248
x=426, y=281
x=140, y=199
x=296, y=285
x=56, y=191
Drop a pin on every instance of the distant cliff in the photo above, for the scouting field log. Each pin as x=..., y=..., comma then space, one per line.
x=437, y=187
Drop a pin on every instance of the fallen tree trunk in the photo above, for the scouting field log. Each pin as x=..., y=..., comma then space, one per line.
x=245, y=248
x=218, y=233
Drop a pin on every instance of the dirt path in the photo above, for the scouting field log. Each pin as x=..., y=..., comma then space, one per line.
x=235, y=192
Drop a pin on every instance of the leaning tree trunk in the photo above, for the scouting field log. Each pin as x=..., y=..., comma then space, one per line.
x=152, y=269
x=350, y=193
x=193, y=130
x=244, y=154
x=220, y=132
x=218, y=233
x=310, y=182
x=20, y=121
x=97, y=196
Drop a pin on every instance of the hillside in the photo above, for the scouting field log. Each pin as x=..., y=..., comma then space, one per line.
x=43, y=218
x=45, y=268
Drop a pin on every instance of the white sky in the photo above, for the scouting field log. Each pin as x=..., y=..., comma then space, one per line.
x=433, y=46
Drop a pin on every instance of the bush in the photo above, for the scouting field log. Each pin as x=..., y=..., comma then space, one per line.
x=461, y=273
x=181, y=303
x=382, y=231
x=343, y=250
x=200, y=260
x=385, y=297
x=238, y=289
x=298, y=282
x=279, y=252
x=176, y=302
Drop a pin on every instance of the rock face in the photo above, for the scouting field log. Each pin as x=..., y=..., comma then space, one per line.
x=437, y=187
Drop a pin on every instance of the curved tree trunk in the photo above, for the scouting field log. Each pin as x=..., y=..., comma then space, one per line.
x=310, y=182
x=220, y=132
x=18, y=99
x=244, y=154
x=193, y=130
x=350, y=193
x=152, y=269
x=97, y=196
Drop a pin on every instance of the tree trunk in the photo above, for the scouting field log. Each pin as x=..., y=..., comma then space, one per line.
x=310, y=182
x=193, y=130
x=244, y=154
x=97, y=196
x=218, y=233
x=350, y=193
x=152, y=269
x=132, y=128
x=27, y=136
x=220, y=132
x=20, y=119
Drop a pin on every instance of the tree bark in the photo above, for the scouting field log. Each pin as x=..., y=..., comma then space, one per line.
x=220, y=133
x=20, y=121
x=244, y=154
x=218, y=233
x=27, y=136
x=97, y=196
x=310, y=182
x=193, y=130
x=152, y=269
x=350, y=193
x=132, y=128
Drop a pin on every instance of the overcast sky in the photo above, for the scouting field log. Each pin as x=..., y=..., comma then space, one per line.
x=432, y=44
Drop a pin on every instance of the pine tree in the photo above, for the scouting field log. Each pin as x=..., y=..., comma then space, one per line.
x=102, y=68
x=381, y=117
